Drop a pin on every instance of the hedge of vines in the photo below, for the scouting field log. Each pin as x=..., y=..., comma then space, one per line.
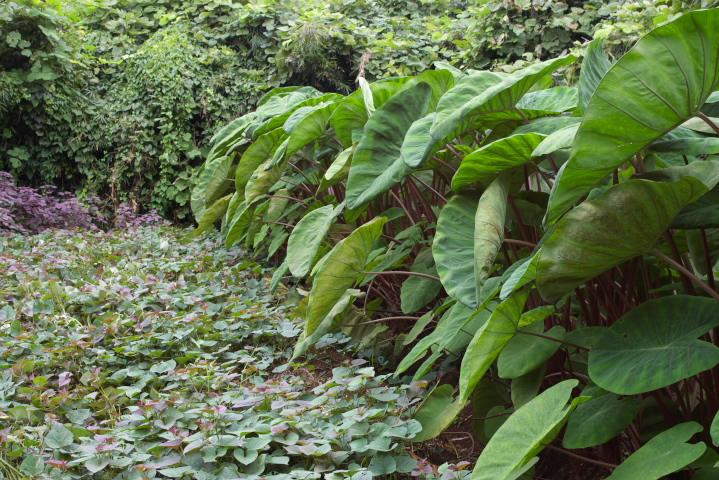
x=548, y=250
x=119, y=98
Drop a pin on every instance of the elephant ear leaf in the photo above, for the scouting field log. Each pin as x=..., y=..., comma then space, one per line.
x=645, y=350
x=340, y=270
x=634, y=105
x=595, y=65
x=492, y=97
x=525, y=434
x=307, y=237
x=469, y=235
x=664, y=454
x=623, y=222
x=377, y=165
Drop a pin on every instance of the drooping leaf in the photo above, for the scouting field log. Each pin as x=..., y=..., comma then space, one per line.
x=633, y=105
x=599, y=420
x=469, y=235
x=496, y=157
x=262, y=180
x=655, y=345
x=218, y=185
x=256, y=154
x=210, y=216
x=366, y=95
x=312, y=127
x=376, y=163
x=489, y=341
x=453, y=248
x=328, y=323
x=351, y=115
x=489, y=98
x=525, y=433
x=343, y=267
x=625, y=221
x=440, y=81
x=662, y=455
x=307, y=237
x=239, y=223
x=437, y=412
x=595, y=65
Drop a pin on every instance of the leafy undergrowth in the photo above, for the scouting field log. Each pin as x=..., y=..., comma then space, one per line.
x=128, y=355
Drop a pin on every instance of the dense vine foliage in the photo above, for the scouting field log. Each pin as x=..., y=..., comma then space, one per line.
x=119, y=98
x=549, y=251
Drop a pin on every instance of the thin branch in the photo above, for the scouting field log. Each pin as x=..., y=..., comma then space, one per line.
x=380, y=320
x=580, y=347
x=442, y=162
x=402, y=272
x=712, y=293
x=579, y=457
x=709, y=122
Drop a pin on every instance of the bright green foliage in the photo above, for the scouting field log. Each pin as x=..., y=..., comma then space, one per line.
x=619, y=292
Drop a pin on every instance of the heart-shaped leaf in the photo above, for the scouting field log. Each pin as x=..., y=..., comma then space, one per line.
x=633, y=105
x=599, y=420
x=655, y=345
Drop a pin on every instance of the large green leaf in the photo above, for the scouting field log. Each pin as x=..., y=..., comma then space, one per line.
x=595, y=65
x=625, y=221
x=496, y=157
x=340, y=271
x=310, y=128
x=462, y=101
x=351, y=115
x=262, y=180
x=489, y=341
x=562, y=138
x=469, y=235
x=662, y=455
x=634, y=104
x=599, y=420
x=418, y=145
x=239, y=223
x=256, y=154
x=376, y=163
x=439, y=80
x=307, y=237
x=655, y=345
x=525, y=434
x=218, y=185
x=453, y=248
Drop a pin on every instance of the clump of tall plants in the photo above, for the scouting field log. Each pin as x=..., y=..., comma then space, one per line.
x=555, y=244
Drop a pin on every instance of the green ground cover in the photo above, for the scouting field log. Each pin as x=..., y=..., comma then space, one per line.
x=128, y=355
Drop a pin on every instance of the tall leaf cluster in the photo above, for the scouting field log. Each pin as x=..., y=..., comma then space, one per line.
x=553, y=244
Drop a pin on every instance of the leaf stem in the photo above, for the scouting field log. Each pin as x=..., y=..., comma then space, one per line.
x=380, y=320
x=402, y=272
x=580, y=347
x=708, y=121
x=682, y=269
x=579, y=457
